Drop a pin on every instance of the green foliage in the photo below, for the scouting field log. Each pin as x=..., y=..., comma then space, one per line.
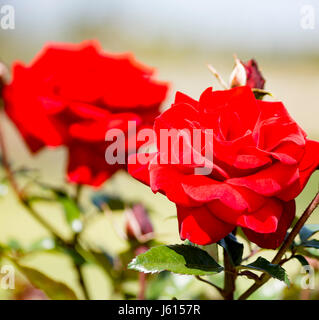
x=55, y=290
x=274, y=270
x=308, y=231
x=233, y=248
x=305, y=234
x=181, y=259
x=71, y=209
x=302, y=260
x=313, y=243
x=103, y=200
x=260, y=94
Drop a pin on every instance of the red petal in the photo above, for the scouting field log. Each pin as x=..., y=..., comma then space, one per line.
x=308, y=164
x=240, y=101
x=265, y=219
x=168, y=180
x=199, y=226
x=87, y=165
x=204, y=189
x=275, y=239
x=139, y=168
x=183, y=98
x=269, y=181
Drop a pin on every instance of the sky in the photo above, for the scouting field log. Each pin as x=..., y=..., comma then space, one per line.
x=271, y=25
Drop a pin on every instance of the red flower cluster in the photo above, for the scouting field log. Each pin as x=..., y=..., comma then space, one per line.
x=262, y=161
x=72, y=94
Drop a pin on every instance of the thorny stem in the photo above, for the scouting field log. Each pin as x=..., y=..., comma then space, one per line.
x=24, y=201
x=285, y=246
x=229, y=278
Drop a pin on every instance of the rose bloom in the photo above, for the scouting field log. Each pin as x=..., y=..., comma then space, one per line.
x=71, y=94
x=261, y=162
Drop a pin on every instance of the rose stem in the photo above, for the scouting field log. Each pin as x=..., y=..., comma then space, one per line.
x=27, y=205
x=285, y=246
x=142, y=285
x=79, y=269
x=229, y=278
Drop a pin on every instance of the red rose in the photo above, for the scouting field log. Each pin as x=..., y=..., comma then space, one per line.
x=262, y=161
x=72, y=94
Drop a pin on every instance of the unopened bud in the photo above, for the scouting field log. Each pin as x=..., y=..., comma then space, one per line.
x=246, y=73
x=254, y=76
x=138, y=224
x=238, y=77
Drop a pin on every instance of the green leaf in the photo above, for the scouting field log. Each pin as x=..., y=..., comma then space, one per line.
x=77, y=258
x=311, y=244
x=102, y=200
x=274, y=270
x=71, y=210
x=307, y=231
x=181, y=259
x=302, y=260
x=55, y=290
x=259, y=93
x=234, y=248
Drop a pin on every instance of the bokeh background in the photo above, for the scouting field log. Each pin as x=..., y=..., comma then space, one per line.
x=178, y=37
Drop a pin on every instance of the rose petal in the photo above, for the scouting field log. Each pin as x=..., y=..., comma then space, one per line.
x=275, y=239
x=199, y=226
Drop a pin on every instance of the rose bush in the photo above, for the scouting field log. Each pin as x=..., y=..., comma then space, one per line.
x=262, y=161
x=72, y=94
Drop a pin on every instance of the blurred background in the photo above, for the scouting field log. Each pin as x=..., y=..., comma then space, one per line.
x=179, y=38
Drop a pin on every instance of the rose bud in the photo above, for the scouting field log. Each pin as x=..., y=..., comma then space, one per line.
x=238, y=77
x=247, y=73
x=138, y=224
x=254, y=76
